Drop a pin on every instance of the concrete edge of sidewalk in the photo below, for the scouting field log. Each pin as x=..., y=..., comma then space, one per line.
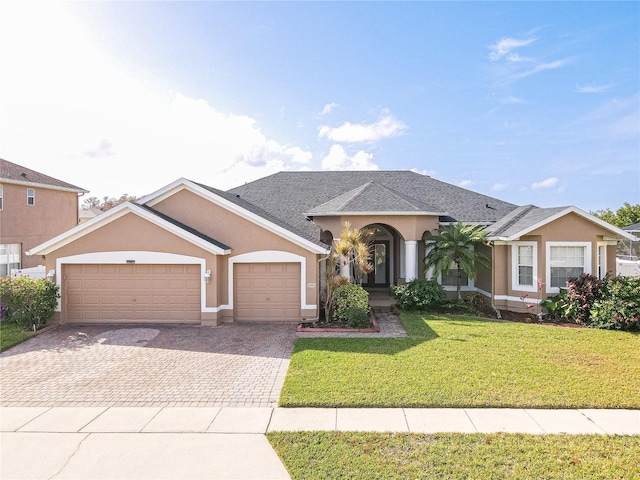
x=266, y=419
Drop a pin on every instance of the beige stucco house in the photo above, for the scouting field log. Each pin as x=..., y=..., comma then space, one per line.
x=34, y=208
x=192, y=253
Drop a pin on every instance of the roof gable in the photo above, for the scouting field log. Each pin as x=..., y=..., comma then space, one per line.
x=373, y=198
x=528, y=218
x=13, y=173
x=163, y=221
x=240, y=207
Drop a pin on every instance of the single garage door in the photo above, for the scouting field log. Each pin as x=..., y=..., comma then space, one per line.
x=132, y=293
x=267, y=291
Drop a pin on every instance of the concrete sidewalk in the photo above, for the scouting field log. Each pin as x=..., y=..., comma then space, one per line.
x=228, y=442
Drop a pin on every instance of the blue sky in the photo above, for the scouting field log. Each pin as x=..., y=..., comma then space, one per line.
x=528, y=102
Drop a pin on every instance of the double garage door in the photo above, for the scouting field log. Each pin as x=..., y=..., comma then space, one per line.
x=267, y=291
x=132, y=293
x=171, y=293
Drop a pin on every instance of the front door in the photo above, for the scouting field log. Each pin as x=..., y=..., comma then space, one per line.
x=379, y=275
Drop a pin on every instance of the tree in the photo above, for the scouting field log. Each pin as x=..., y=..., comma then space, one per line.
x=453, y=247
x=623, y=217
x=106, y=203
x=351, y=249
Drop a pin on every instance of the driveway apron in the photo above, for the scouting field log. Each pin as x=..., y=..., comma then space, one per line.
x=240, y=364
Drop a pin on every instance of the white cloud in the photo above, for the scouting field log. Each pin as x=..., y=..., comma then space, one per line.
x=505, y=46
x=541, y=67
x=465, y=183
x=386, y=126
x=429, y=173
x=546, y=183
x=339, y=159
x=499, y=187
x=593, y=88
x=328, y=108
x=74, y=113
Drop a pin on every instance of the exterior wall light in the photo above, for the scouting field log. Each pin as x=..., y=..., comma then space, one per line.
x=207, y=276
x=50, y=275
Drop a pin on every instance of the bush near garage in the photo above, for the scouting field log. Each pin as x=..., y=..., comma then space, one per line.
x=28, y=302
x=419, y=295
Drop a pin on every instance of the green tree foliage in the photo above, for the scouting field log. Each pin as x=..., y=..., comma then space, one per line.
x=453, y=247
x=623, y=217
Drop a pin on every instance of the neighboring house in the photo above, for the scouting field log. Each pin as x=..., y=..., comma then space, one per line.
x=87, y=214
x=192, y=253
x=34, y=208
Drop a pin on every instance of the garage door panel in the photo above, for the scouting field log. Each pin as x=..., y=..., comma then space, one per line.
x=267, y=291
x=132, y=292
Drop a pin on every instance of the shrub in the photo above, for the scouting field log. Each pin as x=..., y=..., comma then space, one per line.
x=347, y=298
x=419, y=294
x=30, y=302
x=618, y=307
x=479, y=304
x=582, y=292
x=357, y=317
x=559, y=307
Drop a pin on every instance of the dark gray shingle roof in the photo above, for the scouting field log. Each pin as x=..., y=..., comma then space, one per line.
x=18, y=173
x=521, y=219
x=373, y=197
x=287, y=196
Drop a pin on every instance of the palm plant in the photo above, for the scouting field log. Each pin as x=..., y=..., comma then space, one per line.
x=454, y=246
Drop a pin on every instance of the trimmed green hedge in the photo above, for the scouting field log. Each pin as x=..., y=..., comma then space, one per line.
x=28, y=302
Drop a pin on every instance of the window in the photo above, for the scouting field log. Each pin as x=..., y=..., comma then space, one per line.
x=564, y=261
x=525, y=266
x=9, y=258
x=450, y=279
x=31, y=196
x=602, y=260
x=0, y=197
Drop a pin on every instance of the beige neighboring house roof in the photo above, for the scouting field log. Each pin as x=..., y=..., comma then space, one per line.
x=89, y=213
x=13, y=173
x=528, y=218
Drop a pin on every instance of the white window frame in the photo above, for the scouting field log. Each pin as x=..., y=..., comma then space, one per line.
x=31, y=198
x=10, y=253
x=1, y=197
x=470, y=287
x=601, y=261
x=515, y=274
x=588, y=263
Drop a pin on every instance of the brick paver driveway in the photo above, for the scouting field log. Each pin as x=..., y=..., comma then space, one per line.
x=108, y=365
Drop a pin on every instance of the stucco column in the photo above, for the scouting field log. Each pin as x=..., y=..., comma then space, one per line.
x=411, y=259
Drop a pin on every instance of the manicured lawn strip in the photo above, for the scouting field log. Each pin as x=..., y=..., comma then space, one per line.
x=467, y=362
x=12, y=334
x=339, y=455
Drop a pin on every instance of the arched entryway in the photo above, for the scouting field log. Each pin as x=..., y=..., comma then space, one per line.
x=384, y=257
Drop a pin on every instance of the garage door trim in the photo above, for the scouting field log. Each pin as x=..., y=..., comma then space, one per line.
x=137, y=257
x=271, y=256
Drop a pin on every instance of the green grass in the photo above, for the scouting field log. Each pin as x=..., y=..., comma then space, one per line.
x=350, y=455
x=12, y=334
x=467, y=362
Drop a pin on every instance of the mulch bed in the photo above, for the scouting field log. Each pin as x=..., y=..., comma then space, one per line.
x=337, y=327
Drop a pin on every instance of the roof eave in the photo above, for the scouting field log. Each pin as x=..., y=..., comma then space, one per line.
x=373, y=213
x=42, y=185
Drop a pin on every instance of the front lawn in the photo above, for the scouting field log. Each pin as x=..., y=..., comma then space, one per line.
x=468, y=362
x=11, y=334
x=327, y=455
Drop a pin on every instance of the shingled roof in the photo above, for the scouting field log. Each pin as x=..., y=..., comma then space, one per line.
x=521, y=219
x=374, y=198
x=291, y=196
x=13, y=173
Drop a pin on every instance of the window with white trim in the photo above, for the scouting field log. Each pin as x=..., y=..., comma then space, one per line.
x=31, y=196
x=566, y=260
x=524, y=258
x=1, y=197
x=602, y=260
x=10, y=254
x=450, y=279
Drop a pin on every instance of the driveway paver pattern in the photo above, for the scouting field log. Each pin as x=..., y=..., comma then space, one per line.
x=237, y=365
